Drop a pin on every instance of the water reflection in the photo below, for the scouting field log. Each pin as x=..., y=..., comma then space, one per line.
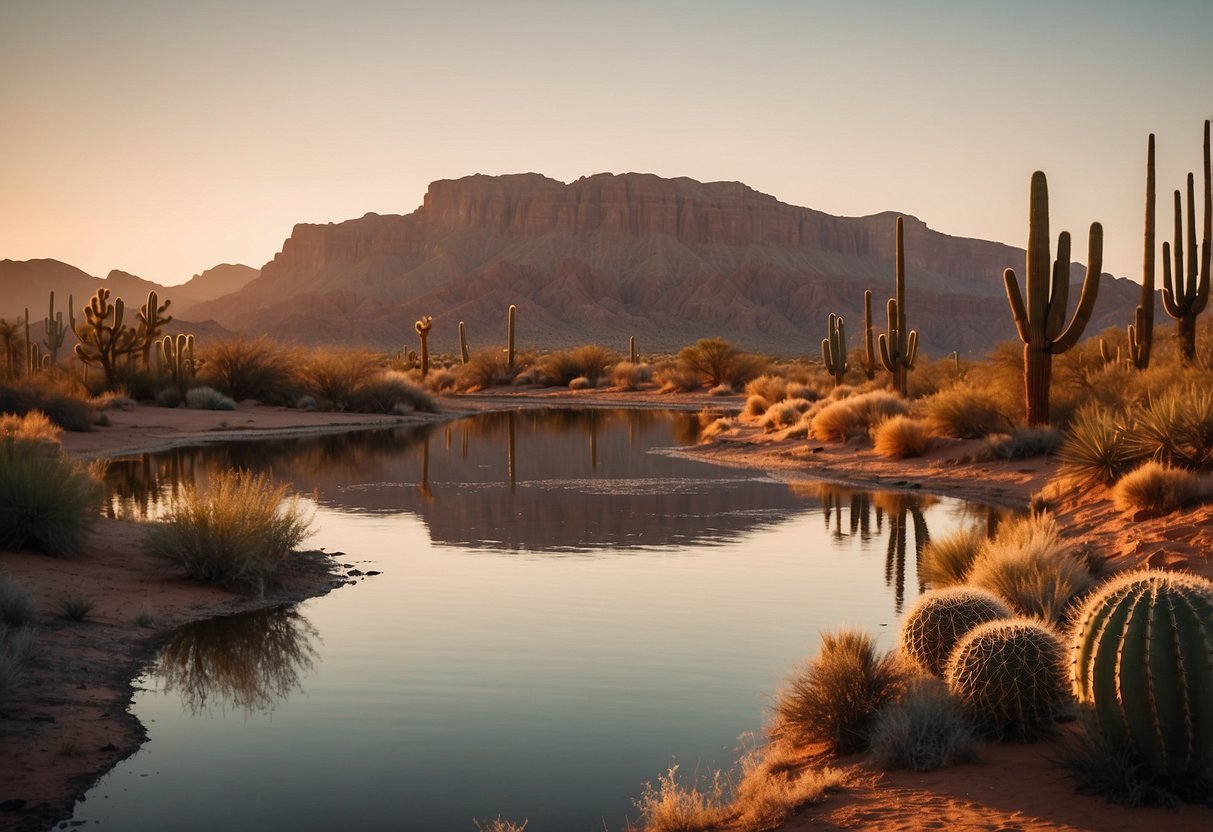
x=247, y=662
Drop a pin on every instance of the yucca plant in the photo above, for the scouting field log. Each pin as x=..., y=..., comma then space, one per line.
x=1095, y=447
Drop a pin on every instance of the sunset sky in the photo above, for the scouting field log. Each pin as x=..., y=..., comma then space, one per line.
x=165, y=137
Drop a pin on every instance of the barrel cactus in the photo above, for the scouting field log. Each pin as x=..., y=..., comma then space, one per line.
x=942, y=617
x=1142, y=670
x=1010, y=677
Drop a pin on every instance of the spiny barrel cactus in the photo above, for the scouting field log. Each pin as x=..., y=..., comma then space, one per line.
x=1010, y=677
x=834, y=349
x=1041, y=323
x=1142, y=669
x=940, y=618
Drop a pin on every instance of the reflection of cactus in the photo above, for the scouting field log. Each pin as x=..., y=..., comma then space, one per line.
x=56, y=329
x=423, y=327
x=1186, y=297
x=151, y=323
x=907, y=509
x=509, y=339
x=1010, y=677
x=868, y=362
x=463, y=344
x=177, y=356
x=834, y=349
x=1040, y=322
x=900, y=347
x=940, y=618
x=104, y=338
x=1143, y=668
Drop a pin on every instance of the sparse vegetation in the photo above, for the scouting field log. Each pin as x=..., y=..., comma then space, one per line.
x=48, y=502
x=838, y=421
x=715, y=361
x=391, y=392
x=16, y=603
x=75, y=606
x=1156, y=488
x=966, y=412
x=902, y=437
x=591, y=362
x=251, y=369
x=923, y=731
x=947, y=560
x=15, y=648
x=207, y=398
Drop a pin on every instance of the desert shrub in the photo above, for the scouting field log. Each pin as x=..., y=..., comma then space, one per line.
x=940, y=619
x=1110, y=767
x=335, y=375
x=15, y=648
x=965, y=412
x=716, y=427
x=1010, y=677
x=629, y=376
x=1000, y=376
x=722, y=390
x=675, y=379
x=34, y=426
x=139, y=383
x=1156, y=488
x=237, y=534
x=718, y=362
x=1175, y=427
x=16, y=603
x=784, y=414
x=672, y=806
x=581, y=383
x=902, y=437
x=770, y=388
x=390, y=392
x=925, y=730
x=48, y=502
x=836, y=696
x=65, y=405
x=251, y=369
x=207, y=398
x=499, y=825
x=1094, y=448
x=75, y=607
x=840, y=420
x=591, y=362
x=1023, y=443
x=441, y=380
x=775, y=782
x=1030, y=566
x=947, y=560
x=486, y=368
x=755, y=406
x=169, y=397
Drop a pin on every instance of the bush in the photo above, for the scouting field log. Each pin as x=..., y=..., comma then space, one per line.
x=924, y=731
x=34, y=426
x=486, y=368
x=840, y=420
x=755, y=406
x=207, y=398
x=784, y=414
x=838, y=694
x=966, y=412
x=590, y=361
x=76, y=607
x=902, y=438
x=1111, y=768
x=390, y=392
x=237, y=535
x=1156, y=488
x=335, y=375
x=15, y=644
x=16, y=603
x=1094, y=449
x=169, y=397
x=1030, y=566
x=674, y=379
x=1175, y=427
x=946, y=561
x=48, y=502
x=1023, y=443
x=718, y=362
x=768, y=388
x=629, y=376
x=257, y=369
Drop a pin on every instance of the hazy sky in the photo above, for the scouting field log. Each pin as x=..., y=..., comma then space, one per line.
x=165, y=137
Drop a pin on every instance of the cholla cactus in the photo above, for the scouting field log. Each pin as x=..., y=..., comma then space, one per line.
x=1142, y=669
x=940, y=618
x=1010, y=677
x=104, y=338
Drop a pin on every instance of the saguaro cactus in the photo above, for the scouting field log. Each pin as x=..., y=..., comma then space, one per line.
x=868, y=362
x=834, y=349
x=509, y=340
x=1142, y=668
x=632, y=356
x=463, y=344
x=151, y=324
x=177, y=356
x=1141, y=331
x=104, y=338
x=423, y=332
x=1186, y=297
x=899, y=349
x=1040, y=322
x=56, y=330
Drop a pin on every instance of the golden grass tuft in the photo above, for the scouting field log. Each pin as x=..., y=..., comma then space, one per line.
x=966, y=412
x=499, y=825
x=48, y=501
x=1157, y=488
x=902, y=437
x=855, y=415
x=946, y=561
x=34, y=426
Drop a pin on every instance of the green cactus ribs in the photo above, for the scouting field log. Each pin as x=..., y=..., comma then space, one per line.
x=1040, y=321
x=1142, y=669
x=899, y=347
x=834, y=349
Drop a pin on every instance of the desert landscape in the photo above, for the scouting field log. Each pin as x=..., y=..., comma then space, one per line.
x=573, y=499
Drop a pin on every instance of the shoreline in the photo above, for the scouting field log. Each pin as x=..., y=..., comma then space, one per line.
x=76, y=724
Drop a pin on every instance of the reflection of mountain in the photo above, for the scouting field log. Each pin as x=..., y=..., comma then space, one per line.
x=250, y=661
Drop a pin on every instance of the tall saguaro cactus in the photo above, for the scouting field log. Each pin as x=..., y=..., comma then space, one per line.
x=1141, y=331
x=463, y=344
x=509, y=340
x=151, y=324
x=899, y=349
x=868, y=362
x=423, y=332
x=834, y=349
x=1040, y=322
x=56, y=330
x=1186, y=297
x=104, y=338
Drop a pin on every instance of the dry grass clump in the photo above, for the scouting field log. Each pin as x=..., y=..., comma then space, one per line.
x=1023, y=443
x=671, y=806
x=755, y=406
x=487, y=368
x=1157, y=488
x=34, y=426
x=499, y=825
x=674, y=379
x=902, y=437
x=591, y=362
x=946, y=561
x=237, y=534
x=855, y=415
x=66, y=405
x=251, y=369
x=1030, y=566
x=207, y=398
x=629, y=376
x=1113, y=769
x=770, y=388
x=1094, y=449
x=966, y=412
x=15, y=647
x=16, y=603
x=440, y=380
x=48, y=501
x=76, y=607
x=784, y=414
x=390, y=392
x=925, y=730
x=715, y=361
x=333, y=376
x=835, y=698
x=716, y=427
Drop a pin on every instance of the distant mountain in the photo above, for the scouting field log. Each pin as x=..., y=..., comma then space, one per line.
x=216, y=282
x=609, y=256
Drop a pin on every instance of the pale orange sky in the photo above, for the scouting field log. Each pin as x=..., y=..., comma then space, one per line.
x=165, y=137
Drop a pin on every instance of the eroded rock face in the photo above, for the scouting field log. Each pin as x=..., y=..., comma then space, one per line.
x=609, y=256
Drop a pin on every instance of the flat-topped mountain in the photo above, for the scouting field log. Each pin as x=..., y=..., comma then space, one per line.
x=610, y=256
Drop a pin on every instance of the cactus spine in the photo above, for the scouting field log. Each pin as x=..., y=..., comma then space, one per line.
x=834, y=349
x=177, y=356
x=151, y=323
x=940, y=618
x=509, y=341
x=1040, y=322
x=868, y=362
x=423, y=332
x=1142, y=668
x=56, y=330
x=463, y=344
x=104, y=338
x=899, y=349
x=1186, y=297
